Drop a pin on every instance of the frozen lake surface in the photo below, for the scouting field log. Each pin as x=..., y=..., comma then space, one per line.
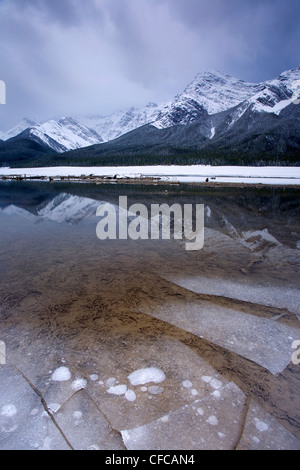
x=183, y=174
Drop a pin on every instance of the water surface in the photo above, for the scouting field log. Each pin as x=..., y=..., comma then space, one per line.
x=219, y=323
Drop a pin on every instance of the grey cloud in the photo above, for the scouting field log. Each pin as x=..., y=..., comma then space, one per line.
x=65, y=12
x=267, y=32
x=67, y=56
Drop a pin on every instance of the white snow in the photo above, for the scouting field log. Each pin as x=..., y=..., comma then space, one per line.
x=24, y=124
x=173, y=173
x=216, y=384
x=117, y=390
x=206, y=378
x=67, y=133
x=187, y=384
x=8, y=410
x=79, y=384
x=61, y=135
x=146, y=375
x=274, y=96
x=164, y=419
x=54, y=407
x=119, y=123
x=261, y=426
x=111, y=381
x=130, y=395
x=94, y=377
x=62, y=374
x=213, y=420
x=214, y=91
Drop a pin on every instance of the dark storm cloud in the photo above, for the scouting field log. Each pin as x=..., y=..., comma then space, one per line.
x=97, y=56
x=263, y=35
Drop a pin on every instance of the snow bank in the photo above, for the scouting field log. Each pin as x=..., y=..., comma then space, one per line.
x=191, y=173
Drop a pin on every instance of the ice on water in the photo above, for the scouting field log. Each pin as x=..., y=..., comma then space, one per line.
x=266, y=342
x=146, y=375
x=211, y=415
x=268, y=295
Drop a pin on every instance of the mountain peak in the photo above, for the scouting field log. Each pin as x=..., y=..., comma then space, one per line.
x=24, y=124
x=208, y=74
x=210, y=92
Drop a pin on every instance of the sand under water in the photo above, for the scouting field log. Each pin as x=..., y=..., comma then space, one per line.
x=141, y=344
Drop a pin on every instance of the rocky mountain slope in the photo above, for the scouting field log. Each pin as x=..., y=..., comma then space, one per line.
x=216, y=119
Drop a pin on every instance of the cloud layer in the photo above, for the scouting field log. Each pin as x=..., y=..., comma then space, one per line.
x=69, y=57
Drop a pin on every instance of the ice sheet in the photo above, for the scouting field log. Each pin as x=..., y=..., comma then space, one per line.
x=263, y=432
x=262, y=340
x=206, y=421
x=24, y=423
x=84, y=425
x=275, y=296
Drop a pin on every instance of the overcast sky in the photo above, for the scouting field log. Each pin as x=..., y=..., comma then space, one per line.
x=67, y=57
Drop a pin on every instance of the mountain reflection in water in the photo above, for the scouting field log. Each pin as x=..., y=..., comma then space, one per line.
x=218, y=322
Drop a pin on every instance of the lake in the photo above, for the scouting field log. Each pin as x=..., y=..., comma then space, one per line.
x=143, y=344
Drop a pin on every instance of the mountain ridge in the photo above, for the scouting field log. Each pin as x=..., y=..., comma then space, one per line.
x=216, y=114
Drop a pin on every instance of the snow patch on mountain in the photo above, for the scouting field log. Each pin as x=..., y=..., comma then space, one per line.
x=209, y=93
x=119, y=123
x=275, y=95
x=272, y=99
x=24, y=124
x=202, y=101
x=66, y=134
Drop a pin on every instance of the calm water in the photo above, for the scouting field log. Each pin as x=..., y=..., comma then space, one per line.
x=218, y=322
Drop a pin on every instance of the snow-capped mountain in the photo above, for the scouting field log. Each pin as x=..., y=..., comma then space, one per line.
x=276, y=94
x=272, y=97
x=119, y=123
x=264, y=126
x=24, y=124
x=63, y=135
x=215, y=112
x=209, y=93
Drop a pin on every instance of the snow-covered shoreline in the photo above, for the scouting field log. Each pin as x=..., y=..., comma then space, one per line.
x=183, y=174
